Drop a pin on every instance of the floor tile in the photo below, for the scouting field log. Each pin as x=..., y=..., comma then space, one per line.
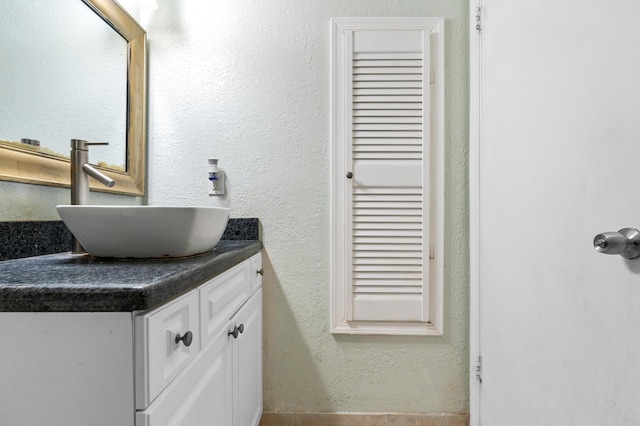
x=431, y=421
x=401, y=420
x=322, y=419
x=276, y=419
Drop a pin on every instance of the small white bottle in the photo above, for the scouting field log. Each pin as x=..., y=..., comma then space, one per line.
x=216, y=178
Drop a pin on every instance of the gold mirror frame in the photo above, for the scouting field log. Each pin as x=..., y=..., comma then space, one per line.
x=25, y=165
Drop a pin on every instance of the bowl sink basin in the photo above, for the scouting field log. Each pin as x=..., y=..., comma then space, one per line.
x=145, y=231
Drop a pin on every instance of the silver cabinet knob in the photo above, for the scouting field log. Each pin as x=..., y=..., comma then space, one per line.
x=236, y=331
x=625, y=242
x=186, y=339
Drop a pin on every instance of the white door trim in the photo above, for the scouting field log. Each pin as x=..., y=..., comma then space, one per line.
x=419, y=311
x=475, y=51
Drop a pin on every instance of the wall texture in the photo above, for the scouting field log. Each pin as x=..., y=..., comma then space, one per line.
x=248, y=82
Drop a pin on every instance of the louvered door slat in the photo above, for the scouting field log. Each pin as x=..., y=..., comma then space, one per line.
x=388, y=84
x=382, y=126
x=398, y=106
x=388, y=256
x=388, y=91
x=380, y=204
x=364, y=260
x=397, y=70
x=381, y=144
x=390, y=220
x=387, y=98
x=383, y=130
x=387, y=213
x=387, y=62
x=387, y=194
x=387, y=119
x=363, y=149
x=387, y=248
x=372, y=231
x=387, y=77
x=387, y=133
x=403, y=225
x=389, y=156
x=386, y=112
x=385, y=290
x=385, y=56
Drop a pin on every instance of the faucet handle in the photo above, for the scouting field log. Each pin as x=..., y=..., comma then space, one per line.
x=82, y=144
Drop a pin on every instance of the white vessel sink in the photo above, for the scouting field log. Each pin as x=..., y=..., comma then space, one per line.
x=145, y=231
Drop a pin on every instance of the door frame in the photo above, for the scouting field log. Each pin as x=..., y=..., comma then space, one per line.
x=475, y=147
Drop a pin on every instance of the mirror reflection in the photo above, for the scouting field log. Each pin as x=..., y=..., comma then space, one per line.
x=63, y=76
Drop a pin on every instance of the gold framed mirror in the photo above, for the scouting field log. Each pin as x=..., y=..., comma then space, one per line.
x=24, y=163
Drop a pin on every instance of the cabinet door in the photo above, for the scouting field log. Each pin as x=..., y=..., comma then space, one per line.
x=202, y=395
x=247, y=359
x=158, y=350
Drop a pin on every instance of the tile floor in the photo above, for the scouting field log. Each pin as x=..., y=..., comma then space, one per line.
x=324, y=419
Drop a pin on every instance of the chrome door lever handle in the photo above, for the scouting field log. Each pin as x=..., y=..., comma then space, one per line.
x=625, y=242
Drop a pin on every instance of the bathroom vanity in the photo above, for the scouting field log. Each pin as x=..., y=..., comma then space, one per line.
x=139, y=342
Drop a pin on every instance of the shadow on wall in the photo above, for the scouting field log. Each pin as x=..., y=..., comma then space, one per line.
x=352, y=371
x=284, y=349
x=410, y=360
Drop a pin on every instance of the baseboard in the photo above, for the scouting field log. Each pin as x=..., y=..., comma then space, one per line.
x=362, y=419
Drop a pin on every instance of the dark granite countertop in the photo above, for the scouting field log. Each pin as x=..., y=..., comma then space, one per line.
x=64, y=282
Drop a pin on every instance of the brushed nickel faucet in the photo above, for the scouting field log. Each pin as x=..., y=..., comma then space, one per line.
x=80, y=172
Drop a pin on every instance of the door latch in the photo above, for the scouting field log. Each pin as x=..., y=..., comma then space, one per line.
x=625, y=242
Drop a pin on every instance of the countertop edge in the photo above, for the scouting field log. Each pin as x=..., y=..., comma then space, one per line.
x=106, y=297
x=188, y=280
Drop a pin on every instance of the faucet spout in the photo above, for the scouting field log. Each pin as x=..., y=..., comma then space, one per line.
x=80, y=172
x=98, y=175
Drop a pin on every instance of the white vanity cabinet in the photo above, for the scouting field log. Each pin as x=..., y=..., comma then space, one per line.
x=196, y=360
x=222, y=384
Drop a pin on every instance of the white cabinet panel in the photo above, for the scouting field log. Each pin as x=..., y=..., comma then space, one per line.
x=248, y=363
x=162, y=356
x=221, y=297
x=201, y=396
x=66, y=369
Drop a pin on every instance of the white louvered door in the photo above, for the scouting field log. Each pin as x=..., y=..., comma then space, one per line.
x=389, y=186
x=386, y=217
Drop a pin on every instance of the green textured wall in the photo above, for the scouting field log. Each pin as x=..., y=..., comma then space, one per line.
x=248, y=82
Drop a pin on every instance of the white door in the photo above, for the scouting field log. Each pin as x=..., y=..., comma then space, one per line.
x=558, y=323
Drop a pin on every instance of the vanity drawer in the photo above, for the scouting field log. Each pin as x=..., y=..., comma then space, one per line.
x=169, y=340
x=221, y=297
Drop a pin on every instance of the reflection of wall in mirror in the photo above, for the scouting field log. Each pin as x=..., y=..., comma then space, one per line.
x=63, y=76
